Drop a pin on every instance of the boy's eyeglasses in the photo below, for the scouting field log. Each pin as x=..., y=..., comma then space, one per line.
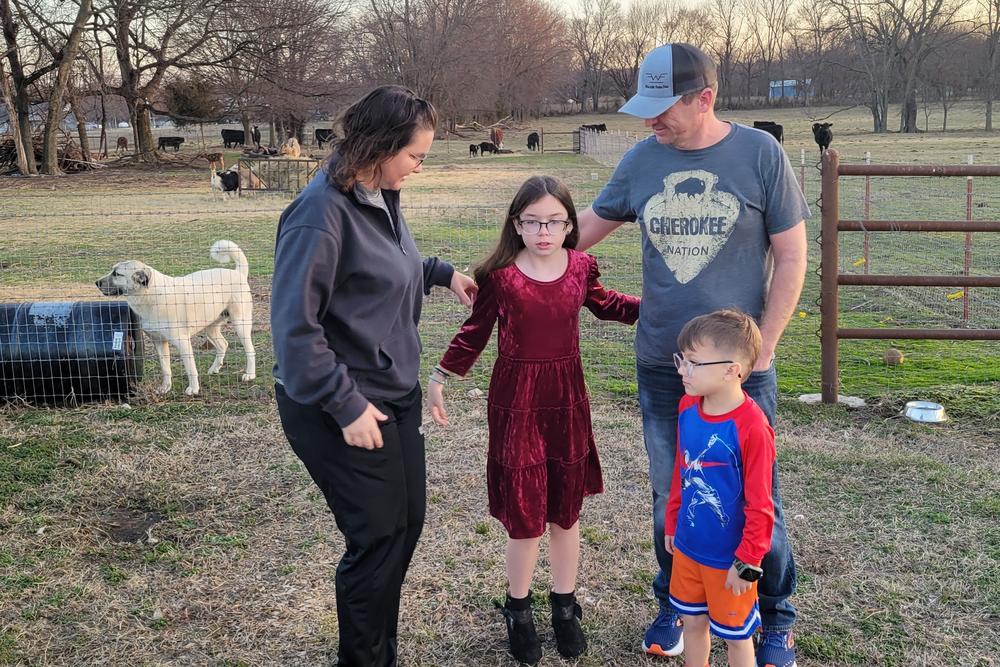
x=687, y=367
x=535, y=226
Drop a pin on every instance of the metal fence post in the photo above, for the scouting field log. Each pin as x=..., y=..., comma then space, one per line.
x=967, y=264
x=829, y=268
x=868, y=212
x=802, y=171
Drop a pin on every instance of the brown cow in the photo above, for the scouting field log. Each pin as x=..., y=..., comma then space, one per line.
x=496, y=136
x=121, y=146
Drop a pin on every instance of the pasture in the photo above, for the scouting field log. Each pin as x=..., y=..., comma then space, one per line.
x=183, y=531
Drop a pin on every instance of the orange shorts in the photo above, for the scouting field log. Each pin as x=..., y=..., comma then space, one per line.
x=698, y=589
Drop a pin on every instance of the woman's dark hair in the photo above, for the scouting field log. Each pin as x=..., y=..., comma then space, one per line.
x=510, y=242
x=374, y=129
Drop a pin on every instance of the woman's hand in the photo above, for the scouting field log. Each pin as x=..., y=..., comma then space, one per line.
x=464, y=287
x=435, y=399
x=364, y=431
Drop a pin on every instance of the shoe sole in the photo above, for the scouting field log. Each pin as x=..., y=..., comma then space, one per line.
x=655, y=649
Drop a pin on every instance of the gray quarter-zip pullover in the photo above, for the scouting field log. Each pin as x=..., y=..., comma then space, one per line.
x=345, y=300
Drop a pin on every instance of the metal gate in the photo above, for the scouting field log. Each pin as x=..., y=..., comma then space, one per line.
x=832, y=279
x=557, y=141
x=276, y=174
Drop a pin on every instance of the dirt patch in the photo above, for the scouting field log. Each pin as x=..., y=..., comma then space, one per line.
x=128, y=525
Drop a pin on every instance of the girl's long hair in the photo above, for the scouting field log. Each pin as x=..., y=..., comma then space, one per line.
x=374, y=129
x=510, y=243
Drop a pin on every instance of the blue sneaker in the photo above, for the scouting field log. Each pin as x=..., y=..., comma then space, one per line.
x=664, y=637
x=776, y=649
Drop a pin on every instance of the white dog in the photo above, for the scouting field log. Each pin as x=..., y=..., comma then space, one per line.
x=172, y=310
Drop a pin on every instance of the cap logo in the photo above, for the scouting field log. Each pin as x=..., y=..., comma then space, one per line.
x=661, y=81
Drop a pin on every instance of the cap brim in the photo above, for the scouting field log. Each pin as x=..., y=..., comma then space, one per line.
x=648, y=107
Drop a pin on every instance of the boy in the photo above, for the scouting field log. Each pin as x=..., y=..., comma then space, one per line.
x=720, y=513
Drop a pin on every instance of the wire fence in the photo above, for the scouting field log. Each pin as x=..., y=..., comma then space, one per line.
x=63, y=248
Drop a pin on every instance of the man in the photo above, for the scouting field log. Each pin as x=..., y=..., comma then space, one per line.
x=255, y=136
x=722, y=220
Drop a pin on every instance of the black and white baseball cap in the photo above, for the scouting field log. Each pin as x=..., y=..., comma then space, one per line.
x=666, y=73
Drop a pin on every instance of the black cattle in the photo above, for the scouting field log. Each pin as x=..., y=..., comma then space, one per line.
x=169, y=142
x=772, y=128
x=473, y=150
x=598, y=127
x=323, y=136
x=233, y=138
x=487, y=147
x=823, y=135
x=534, y=141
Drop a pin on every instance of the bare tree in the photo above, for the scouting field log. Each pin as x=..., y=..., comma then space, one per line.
x=297, y=67
x=432, y=46
x=529, y=61
x=152, y=38
x=768, y=28
x=23, y=75
x=812, y=38
x=638, y=33
x=871, y=37
x=58, y=35
x=593, y=30
x=989, y=27
x=946, y=75
x=727, y=21
x=927, y=25
x=23, y=151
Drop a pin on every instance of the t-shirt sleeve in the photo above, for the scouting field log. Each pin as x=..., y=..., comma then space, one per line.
x=673, y=510
x=615, y=201
x=785, y=206
x=758, y=452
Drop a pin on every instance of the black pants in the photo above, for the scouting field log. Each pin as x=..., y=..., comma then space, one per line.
x=378, y=498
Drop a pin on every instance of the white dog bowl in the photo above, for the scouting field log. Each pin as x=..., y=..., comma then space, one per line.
x=925, y=411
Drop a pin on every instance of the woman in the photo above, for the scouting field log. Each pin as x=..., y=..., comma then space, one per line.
x=345, y=303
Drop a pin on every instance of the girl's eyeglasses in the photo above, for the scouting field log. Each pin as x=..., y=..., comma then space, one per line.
x=687, y=367
x=535, y=226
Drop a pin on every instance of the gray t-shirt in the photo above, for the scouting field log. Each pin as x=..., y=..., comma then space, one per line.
x=706, y=216
x=372, y=198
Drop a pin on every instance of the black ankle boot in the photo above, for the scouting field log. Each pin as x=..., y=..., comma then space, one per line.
x=524, y=643
x=566, y=616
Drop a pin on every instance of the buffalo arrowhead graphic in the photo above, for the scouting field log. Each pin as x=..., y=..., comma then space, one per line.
x=690, y=221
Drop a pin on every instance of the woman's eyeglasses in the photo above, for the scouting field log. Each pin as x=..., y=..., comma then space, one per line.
x=535, y=226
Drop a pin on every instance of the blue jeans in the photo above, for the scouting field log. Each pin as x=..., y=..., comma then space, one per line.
x=660, y=390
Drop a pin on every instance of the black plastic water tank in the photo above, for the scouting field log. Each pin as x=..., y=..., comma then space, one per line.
x=65, y=352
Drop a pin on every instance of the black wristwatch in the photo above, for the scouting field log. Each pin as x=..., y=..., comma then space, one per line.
x=747, y=572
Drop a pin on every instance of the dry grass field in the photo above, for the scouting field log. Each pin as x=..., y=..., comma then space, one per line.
x=183, y=531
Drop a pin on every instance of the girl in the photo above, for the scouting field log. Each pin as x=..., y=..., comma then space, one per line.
x=542, y=458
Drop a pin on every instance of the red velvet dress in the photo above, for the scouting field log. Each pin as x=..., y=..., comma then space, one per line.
x=542, y=458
